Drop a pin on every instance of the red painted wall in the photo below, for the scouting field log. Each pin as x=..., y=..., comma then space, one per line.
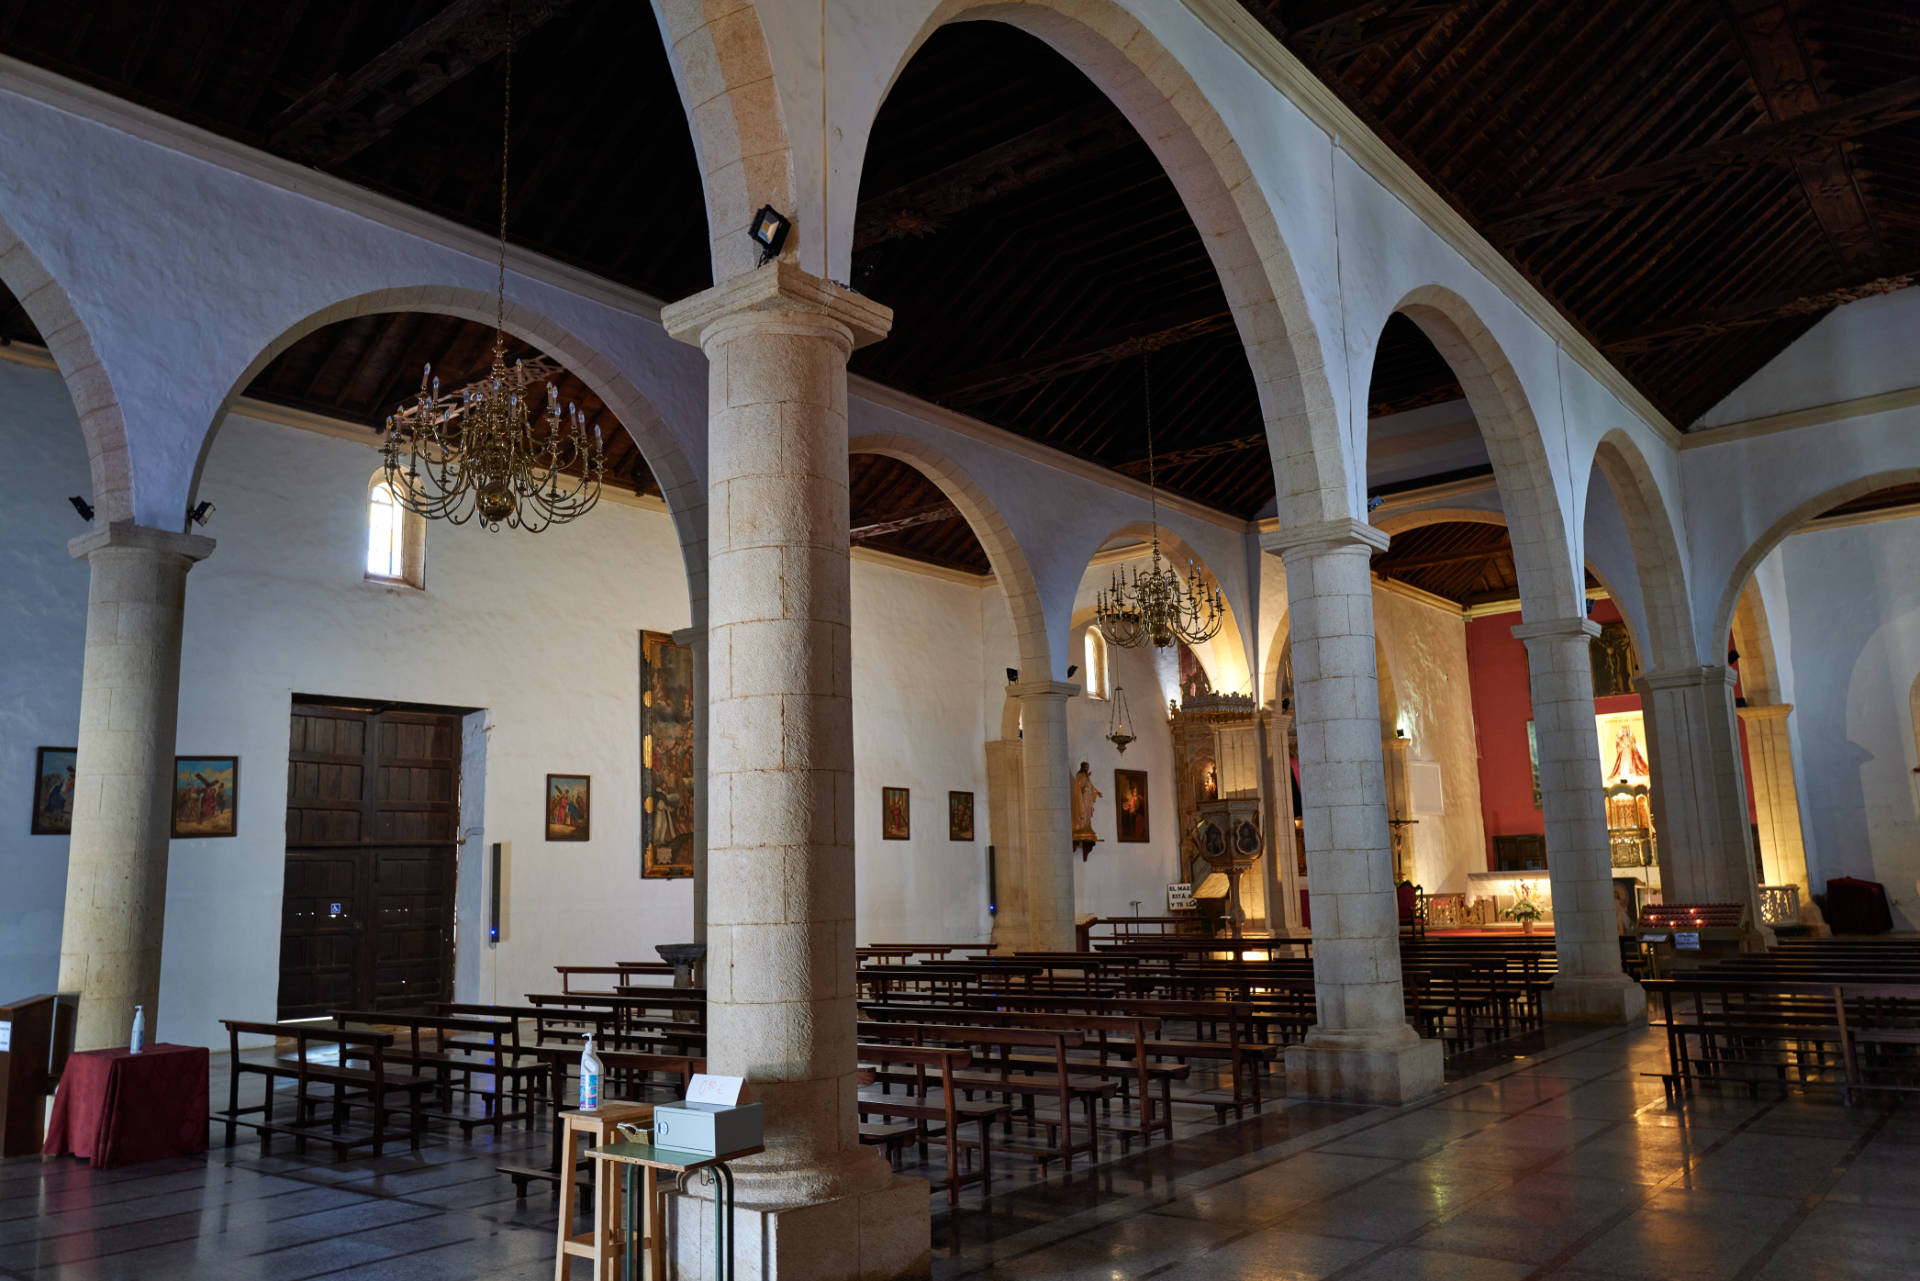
x=1497, y=670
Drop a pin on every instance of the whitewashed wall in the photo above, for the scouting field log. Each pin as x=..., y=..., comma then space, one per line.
x=43, y=612
x=538, y=632
x=1427, y=649
x=1855, y=628
x=918, y=723
x=1108, y=880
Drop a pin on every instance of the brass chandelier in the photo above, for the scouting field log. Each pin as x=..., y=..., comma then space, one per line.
x=474, y=452
x=1158, y=606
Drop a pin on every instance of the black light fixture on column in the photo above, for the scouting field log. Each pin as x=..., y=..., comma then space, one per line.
x=769, y=231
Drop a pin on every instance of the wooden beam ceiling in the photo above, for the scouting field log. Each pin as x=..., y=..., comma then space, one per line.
x=991, y=381
x=343, y=115
x=1079, y=137
x=1809, y=136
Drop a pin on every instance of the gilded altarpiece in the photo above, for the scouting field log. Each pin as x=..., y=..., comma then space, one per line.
x=666, y=757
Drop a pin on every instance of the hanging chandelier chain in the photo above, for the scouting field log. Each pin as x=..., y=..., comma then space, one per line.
x=506, y=145
x=1157, y=607
x=481, y=452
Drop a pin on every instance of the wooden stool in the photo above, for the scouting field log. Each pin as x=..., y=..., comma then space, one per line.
x=602, y=1243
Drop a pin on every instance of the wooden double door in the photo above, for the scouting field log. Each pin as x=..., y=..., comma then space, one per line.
x=373, y=816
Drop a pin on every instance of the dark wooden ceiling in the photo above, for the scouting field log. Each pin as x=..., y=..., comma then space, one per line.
x=1652, y=166
x=1464, y=561
x=1693, y=184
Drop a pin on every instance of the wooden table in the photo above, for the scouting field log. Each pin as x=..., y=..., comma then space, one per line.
x=119, y=1108
x=655, y=1160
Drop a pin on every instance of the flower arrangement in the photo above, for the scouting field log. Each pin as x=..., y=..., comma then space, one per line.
x=1523, y=909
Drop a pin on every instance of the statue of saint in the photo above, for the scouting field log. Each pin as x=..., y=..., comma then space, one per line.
x=1084, y=796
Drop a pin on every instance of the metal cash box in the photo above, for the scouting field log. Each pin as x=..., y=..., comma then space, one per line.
x=709, y=1129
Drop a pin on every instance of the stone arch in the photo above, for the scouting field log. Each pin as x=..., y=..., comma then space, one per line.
x=680, y=486
x=1162, y=102
x=1009, y=563
x=1549, y=585
x=1175, y=551
x=1656, y=549
x=1789, y=523
x=724, y=72
x=1753, y=638
x=95, y=402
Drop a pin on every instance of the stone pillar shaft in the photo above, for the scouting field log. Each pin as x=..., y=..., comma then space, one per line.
x=1776, y=801
x=780, y=903
x=1699, y=788
x=695, y=639
x=1361, y=1046
x=122, y=801
x=1282, y=882
x=1590, y=985
x=1047, y=783
x=1006, y=806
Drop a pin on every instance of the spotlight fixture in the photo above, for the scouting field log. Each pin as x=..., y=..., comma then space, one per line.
x=1071, y=669
x=1013, y=675
x=769, y=231
x=200, y=513
x=1733, y=658
x=82, y=506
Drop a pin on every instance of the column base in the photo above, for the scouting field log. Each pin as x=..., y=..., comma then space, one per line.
x=1392, y=1066
x=1612, y=999
x=881, y=1235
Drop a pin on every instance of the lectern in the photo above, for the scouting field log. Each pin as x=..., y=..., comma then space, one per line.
x=26, y=1053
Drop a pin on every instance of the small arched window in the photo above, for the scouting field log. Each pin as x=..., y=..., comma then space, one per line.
x=1097, y=679
x=396, y=537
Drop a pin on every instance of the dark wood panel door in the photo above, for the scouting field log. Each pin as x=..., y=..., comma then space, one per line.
x=372, y=825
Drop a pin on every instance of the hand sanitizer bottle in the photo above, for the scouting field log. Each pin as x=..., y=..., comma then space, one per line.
x=589, y=1078
x=139, y=1039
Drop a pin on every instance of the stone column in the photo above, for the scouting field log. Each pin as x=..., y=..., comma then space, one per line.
x=1006, y=805
x=1361, y=1048
x=780, y=827
x=1282, y=880
x=695, y=639
x=1590, y=986
x=1699, y=789
x=1776, y=800
x=1046, y=783
x=123, y=777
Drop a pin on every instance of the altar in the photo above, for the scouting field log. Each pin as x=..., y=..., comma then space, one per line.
x=1501, y=890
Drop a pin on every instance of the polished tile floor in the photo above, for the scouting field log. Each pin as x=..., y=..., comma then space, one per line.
x=1566, y=1163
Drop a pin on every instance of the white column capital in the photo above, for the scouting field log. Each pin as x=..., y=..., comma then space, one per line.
x=1556, y=629
x=1685, y=678
x=1323, y=536
x=1023, y=690
x=124, y=535
x=1764, y=711
x=689, y=636
x=778, y=293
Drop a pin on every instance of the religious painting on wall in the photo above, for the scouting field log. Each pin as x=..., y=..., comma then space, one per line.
x=1130, y=805
x=1533, y=757
x=1623, y=748
x=53, y=791
x=1614, y=662
x=569, y=807
x=667, y=810
x=959, y=816
x=1194, y=681
x=206, y=795
x=895, y=814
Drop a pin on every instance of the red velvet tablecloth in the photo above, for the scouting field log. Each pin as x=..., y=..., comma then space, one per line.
x=118, y=1108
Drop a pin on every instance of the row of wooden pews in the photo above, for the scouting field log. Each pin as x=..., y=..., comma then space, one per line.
x=1841, y=1014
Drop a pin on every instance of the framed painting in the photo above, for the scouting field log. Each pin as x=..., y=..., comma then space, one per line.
x=959, y=816
x=1533, y=758
x=895, y=814
x=667, y=809
x=569, y=807
x=53, y=791
x=206, y=795
x=1130, y=805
